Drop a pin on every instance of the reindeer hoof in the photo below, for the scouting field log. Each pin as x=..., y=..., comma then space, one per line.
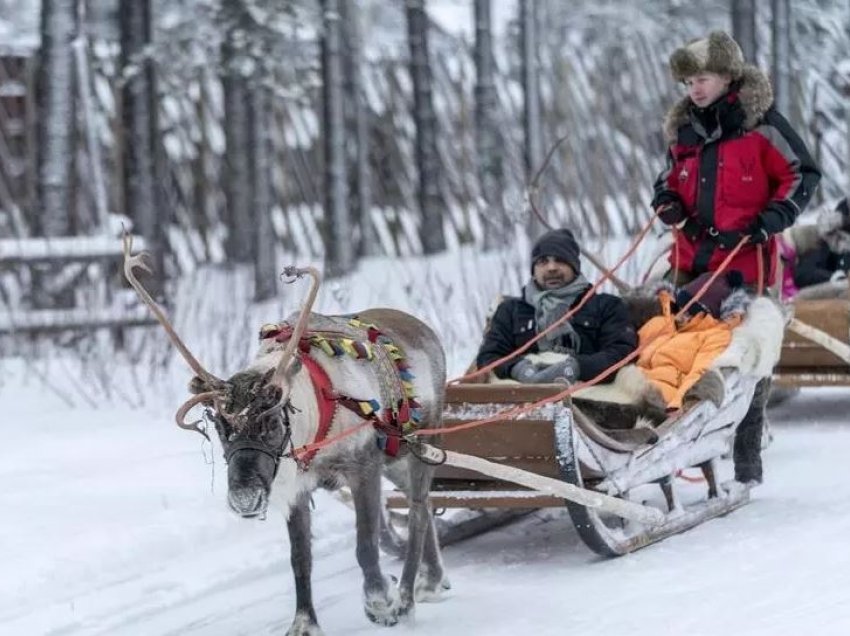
x=430, y=589
x=304, y=625
x=384, y=608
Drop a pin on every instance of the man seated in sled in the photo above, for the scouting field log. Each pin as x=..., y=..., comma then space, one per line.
x=598, y=336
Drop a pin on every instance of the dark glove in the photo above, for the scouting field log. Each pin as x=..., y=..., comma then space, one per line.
x=671, y=213
x=757, y=234
x=523, y=370
x=564, y=371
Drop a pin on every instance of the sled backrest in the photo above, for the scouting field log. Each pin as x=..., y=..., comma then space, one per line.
x=527, y=443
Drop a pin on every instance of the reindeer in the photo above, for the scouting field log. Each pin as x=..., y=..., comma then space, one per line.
x=265, y=412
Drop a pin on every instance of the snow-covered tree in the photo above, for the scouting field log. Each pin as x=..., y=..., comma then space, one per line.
x=427, y=162
x=339, y=244
x=141, y=133
x=56, y=123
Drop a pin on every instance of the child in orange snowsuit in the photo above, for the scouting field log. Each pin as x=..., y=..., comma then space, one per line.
x=680, y=350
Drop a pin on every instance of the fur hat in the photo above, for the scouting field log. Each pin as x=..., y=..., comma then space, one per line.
x=834, y=227
x=722, y=298
x=560, y=244
x=717, y=53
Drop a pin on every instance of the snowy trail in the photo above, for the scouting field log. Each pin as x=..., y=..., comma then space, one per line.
x=114, y=524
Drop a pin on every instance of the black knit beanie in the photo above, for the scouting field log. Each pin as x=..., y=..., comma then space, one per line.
x=560, y=244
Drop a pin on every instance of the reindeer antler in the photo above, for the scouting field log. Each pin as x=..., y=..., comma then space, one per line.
x=281, y=373
x=193, y=401
x=131, y=262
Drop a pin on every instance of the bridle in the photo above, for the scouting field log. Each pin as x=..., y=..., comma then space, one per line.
x=274, y=452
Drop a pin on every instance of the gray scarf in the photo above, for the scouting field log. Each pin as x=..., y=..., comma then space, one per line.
x=551, y=304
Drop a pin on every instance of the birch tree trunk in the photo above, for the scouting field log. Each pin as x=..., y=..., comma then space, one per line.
x=138, y=105
x=360, y=192
x=339, y=252
x=427, y=159
x=486, y=134
x=265, y=269
x=744, y=28
x=239, y=217
x=55, y=117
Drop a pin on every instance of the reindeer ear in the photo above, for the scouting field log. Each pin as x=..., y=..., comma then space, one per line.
x=197, y=385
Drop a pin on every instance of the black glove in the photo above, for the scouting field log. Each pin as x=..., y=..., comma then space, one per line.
x=758, y=235
x=523, y=370
x=671, y=212
x=566, y=370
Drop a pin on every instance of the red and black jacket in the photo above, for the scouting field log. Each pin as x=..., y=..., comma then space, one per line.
x=733, y=167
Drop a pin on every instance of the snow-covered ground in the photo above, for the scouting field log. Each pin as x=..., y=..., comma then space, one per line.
x=115, y=522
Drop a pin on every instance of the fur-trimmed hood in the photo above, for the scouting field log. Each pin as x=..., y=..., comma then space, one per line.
x=755, y=94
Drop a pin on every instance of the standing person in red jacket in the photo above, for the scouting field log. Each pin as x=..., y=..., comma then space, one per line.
x=735, y=168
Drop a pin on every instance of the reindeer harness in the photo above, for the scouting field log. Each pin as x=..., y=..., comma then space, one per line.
x=338, y=337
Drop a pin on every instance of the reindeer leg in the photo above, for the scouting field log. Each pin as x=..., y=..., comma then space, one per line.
x=381, y=598
x=421, y=532
x=301, y=558
x=431, y=580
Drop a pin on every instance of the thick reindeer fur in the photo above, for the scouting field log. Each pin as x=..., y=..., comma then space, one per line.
x=358, y=461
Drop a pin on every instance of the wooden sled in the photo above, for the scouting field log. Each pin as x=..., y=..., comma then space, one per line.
x=561, y=457
x=816, y=347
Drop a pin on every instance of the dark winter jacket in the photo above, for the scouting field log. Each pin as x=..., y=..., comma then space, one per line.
x=818, y=265
x=603, y=325
x=734, y=168
x=832, y=251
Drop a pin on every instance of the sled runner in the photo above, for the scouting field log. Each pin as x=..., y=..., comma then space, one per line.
x=628, y=476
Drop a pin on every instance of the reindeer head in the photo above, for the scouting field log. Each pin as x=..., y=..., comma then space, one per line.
x=250, y=410
x=251, y=418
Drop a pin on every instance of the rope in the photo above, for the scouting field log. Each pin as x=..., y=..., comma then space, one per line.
x=691, y=480
x=760, y=259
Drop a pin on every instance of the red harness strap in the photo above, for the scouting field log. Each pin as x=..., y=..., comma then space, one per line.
x=324, y=398
x=327, y=400
x=389, y=438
